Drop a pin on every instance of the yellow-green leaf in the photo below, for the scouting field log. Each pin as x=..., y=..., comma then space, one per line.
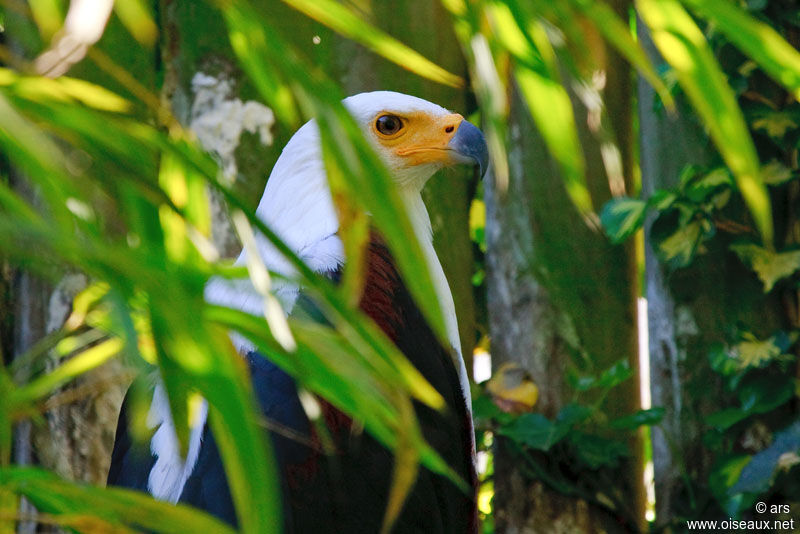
x=770, y=266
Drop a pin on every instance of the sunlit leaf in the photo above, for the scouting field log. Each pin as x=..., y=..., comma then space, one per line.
x=136, y=17
x=775, y=123
x=48, y=16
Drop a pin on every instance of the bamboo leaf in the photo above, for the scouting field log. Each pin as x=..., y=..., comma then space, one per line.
x=117, y=507
x=755, y=38
x=88, y=359
x=540, y=84
x=136, y=17
x=684, y=47
x=343, y=21
x=618, y=34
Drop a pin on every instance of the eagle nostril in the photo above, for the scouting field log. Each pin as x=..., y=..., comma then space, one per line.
x=450, y=129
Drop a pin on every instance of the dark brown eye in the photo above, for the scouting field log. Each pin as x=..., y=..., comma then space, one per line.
x=388, y=124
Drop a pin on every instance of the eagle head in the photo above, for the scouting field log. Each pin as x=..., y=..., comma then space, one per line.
x=414, y=137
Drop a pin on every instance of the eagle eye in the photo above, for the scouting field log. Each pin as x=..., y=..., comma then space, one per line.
x=388, y=124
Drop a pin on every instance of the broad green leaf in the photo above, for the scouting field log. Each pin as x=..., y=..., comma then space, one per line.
x=596, y=451
x=535, y=431
x=699, y=188
x=678, y=248
x=770, y=266
x=120, y=508
x=609, y=378
x=776, y=173
x=649, y=417
x=755, y=38
x=621, y=217
x=684, y=47
x=762, y=393
x=776, y=123
x=342, y=20
x=753, y=352
x=724, y=419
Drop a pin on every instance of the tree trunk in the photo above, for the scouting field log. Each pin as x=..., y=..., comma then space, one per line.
x=561, y=297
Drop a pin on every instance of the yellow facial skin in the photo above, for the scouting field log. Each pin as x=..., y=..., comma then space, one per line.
x=422, y=139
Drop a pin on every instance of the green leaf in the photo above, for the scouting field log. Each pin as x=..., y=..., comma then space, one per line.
x=649, y=417
x=752, y=352
x=698, y=189
x=775, y=123
x=596, y=451
x=724, y=419
x=769, y=266
x=755, y=38
x=684, y=47
x=678, y=248
x=622, y=216
x=342, y=20
x=776, y=173
x=572, y=414
x=763, y=393
x=725, y=474
x=136, y=17
x=121, y=508
x=535, y=431
x=611, y=377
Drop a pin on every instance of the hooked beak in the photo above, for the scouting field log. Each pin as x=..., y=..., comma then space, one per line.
x=469, y=143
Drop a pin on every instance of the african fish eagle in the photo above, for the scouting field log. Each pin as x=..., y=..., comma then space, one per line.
x=346, y=491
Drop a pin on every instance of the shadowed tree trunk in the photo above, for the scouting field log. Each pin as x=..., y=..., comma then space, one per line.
x=560, y=296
